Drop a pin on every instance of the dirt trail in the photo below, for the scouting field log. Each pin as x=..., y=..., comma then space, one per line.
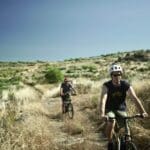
x=89, y=138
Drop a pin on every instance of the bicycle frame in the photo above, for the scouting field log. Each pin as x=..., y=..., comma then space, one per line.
x=68, y=107
x=126, y=137
x=67, y=103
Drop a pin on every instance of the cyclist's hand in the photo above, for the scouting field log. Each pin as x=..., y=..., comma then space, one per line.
x=74, y=92
x=144, y=115
x=104, y=117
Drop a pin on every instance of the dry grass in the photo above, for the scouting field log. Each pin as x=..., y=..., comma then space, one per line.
x=141, y=128
x=85, y=145
x=142, y=88
x=39, y=126
x=73, y=127
x=31, y=130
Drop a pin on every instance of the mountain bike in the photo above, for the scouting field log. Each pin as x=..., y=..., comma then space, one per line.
x=123, y=140
x=68, y=106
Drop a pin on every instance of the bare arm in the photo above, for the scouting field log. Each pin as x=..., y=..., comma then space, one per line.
x=136, y=100
x=103, y=99
x=73, y=89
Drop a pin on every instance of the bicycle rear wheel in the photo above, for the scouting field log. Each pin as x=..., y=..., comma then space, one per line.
x=130, y=146
x=70, y=111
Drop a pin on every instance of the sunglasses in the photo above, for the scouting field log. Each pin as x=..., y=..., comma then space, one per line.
x=116, y=75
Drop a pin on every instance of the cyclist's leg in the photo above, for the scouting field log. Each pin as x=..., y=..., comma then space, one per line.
x=110, y=125
x=110, y=129
x=63, y=106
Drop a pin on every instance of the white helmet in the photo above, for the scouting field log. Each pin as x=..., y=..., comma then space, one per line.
x=115, y=68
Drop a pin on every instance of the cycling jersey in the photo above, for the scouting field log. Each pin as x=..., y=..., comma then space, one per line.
x=66, y=87
x=116, y=96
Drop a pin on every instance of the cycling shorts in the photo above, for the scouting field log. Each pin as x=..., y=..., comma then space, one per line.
x=118, y=115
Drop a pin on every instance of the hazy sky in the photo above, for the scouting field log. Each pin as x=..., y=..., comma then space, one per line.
x=62, y=29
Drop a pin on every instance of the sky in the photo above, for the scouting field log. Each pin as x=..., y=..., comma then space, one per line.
x=53, y=30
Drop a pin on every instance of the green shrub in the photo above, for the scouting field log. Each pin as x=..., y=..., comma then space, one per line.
x=89, y=68
x=73, y=75
x=70, y=71
x=53, y=75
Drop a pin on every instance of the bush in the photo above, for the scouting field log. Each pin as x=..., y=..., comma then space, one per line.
x=89, y=68
x=53, y=75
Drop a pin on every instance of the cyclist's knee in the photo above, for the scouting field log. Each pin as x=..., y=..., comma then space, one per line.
x=111, y=115
x=122, y=114
x=111, y=118
x=111, y=122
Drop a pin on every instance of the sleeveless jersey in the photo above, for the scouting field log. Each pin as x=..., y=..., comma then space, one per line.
x=66, y=87
x=116, y=95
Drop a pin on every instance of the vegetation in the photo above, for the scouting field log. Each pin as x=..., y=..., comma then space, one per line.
x=53, y=75
x=30, y=108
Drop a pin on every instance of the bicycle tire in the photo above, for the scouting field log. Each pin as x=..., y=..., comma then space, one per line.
x=130, y=146
x=115, y=144
x=70, y=111
x=122, y=143
x=65, y=109
x=147, y=147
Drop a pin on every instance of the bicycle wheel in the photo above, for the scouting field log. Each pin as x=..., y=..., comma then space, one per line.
x=122, y=143
x=147, y=147
x=115, y=145
x=65, y=109
x=130, y=146
x=70, y=111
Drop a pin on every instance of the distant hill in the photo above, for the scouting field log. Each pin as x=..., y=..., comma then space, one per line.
x=135, y=64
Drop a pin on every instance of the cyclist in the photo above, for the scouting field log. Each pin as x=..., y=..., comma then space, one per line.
x=66, y=87
x=112, y=101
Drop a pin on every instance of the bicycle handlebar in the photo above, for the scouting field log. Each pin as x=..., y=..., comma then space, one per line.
x=134, y=116
x=129, y=117
x=69, y=93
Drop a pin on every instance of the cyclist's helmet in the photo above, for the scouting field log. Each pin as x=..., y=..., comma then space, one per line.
x=66, y=79
x=115, y=68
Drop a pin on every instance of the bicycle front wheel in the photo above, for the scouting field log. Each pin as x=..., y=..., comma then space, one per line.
x=130, y=146
x=70, y=111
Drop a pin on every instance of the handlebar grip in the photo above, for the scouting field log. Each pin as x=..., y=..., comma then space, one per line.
x=139, y=116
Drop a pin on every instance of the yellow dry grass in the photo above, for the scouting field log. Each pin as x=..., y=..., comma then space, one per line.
x=40, y=126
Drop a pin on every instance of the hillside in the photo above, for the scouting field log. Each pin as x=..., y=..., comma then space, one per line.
x=30, y=106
